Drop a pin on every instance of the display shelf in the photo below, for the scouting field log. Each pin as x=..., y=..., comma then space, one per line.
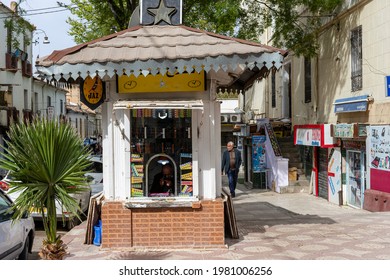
x=137, y=175
x=185, y=174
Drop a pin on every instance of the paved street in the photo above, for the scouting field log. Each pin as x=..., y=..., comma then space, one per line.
x=274, y=226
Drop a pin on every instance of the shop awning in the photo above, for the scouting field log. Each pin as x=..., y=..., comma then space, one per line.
x=158, y=104
x=351, y=104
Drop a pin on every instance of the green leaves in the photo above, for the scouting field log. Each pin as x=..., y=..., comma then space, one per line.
x=48, y=162
x=17, y=27
x=293, y=24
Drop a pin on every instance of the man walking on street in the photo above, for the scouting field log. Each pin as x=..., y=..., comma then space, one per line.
x=231, y=162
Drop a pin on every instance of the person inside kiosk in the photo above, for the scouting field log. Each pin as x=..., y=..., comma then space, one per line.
x=163, y=181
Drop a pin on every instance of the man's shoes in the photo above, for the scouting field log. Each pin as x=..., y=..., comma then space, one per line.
x=233, y=195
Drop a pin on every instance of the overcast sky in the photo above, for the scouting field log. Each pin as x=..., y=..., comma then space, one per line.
x=46, y=15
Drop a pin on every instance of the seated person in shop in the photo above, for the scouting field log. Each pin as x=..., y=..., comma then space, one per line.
x=163, y=182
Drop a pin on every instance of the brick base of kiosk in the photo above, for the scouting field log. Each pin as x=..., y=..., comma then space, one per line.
x=199, y=225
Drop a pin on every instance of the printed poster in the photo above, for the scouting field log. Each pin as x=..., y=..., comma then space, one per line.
x=379, y=157
x=258, y=153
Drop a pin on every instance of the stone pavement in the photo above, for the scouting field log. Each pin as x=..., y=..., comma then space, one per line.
x=272, y=226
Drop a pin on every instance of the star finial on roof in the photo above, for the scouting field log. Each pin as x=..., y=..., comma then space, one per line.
x=162, y=13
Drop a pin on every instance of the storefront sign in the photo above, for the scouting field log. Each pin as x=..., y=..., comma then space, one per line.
x=258, y=153
x=317, y=135
x=380, y=147
x=309, y=137
x=92, y=92
x=387, y=80
x=351, y=104
x=50, y=112
x=159, y=83
x=344, y=130
x=362, y=130
x=354, y=145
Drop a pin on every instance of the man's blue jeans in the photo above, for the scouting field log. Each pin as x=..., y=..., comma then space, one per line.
x=232, y=176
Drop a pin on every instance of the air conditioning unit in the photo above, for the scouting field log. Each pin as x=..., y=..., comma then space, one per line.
x=224, y=118
x=235, y=118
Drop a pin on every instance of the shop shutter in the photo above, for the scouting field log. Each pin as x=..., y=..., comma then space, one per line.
x=323, y=173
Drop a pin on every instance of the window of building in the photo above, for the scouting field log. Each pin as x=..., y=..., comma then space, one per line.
x=161, y=152
x=36, y=102
x=273, y=88
x=61, y=106
x=307, y=69
x=356, y=59
x=48, y=101
x=3, y=99
x=25, y=99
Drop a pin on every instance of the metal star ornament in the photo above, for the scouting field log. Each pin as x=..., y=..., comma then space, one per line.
x=162, y=13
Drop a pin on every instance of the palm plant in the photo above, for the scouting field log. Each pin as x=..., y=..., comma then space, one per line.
x=48, y=163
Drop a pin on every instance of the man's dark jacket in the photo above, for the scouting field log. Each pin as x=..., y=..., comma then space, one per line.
x=226, y=161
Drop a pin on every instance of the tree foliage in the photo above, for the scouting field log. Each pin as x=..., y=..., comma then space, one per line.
x=17, y=26
x=294, y=23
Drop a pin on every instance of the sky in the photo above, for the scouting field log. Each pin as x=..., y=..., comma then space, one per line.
x=46, y=15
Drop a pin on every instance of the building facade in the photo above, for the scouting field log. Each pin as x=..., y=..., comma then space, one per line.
x=346, y=89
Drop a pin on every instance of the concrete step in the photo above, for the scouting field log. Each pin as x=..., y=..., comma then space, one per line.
x=303, y=182
x=295, y=189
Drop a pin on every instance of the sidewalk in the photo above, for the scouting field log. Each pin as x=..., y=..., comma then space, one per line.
x=273, y=226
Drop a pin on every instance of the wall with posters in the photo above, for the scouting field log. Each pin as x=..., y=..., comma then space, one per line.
x=379, y=157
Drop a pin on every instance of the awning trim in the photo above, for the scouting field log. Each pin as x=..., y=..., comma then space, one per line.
x=224, y=63
x=158, y=104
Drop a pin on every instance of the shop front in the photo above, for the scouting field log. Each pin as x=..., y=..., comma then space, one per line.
x=377, y=194
x=161, y=127
x=353, y=149
x=324, y=158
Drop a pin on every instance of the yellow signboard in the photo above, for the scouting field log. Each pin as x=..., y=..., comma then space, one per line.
x=159, y=83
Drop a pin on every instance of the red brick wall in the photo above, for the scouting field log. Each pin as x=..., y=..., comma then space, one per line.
x=163, y=227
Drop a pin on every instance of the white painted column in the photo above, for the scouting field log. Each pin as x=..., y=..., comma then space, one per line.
x=108, y=153
x=119, y=132
x=196, y=116
x=207, y=152
x=218, y=156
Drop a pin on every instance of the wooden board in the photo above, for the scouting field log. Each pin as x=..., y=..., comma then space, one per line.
x=230, y=216
x=94, y=211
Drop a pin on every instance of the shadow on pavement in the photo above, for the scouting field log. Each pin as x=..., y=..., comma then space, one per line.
x=255, y=217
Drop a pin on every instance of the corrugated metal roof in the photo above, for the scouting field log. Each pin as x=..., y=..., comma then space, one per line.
x=155, y=48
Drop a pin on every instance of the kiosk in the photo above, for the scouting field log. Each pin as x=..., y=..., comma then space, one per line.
x=160, y=107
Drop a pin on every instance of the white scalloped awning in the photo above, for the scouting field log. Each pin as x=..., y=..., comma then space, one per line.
x=158, y=49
